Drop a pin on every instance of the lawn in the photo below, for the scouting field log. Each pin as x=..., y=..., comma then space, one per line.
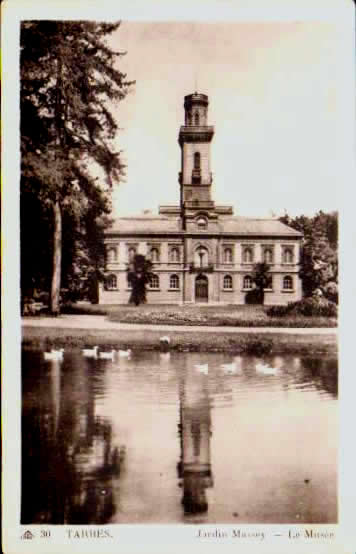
x=219, y=315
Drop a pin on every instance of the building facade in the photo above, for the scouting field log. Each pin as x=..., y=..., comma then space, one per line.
x=201, y=252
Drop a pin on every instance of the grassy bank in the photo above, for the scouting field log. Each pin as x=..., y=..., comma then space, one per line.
x=195, y=341
x=215, y=316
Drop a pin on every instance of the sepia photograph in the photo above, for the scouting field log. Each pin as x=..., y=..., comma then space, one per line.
x=179, y=215
x=151, y=390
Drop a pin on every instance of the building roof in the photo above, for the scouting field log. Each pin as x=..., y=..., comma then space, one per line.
x=145, y=223
x=256, y=226
x=243, y=226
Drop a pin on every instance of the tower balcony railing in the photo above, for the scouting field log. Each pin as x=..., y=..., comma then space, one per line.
x=195, y=133
x=201, y=204
x=197, y=128
x=197, y=268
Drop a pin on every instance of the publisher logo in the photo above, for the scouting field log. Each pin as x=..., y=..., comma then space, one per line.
x=27, y=535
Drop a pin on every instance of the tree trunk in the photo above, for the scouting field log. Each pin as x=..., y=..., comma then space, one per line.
x=57, y=256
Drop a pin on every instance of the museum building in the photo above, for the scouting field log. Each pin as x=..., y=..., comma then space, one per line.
x=200, y=251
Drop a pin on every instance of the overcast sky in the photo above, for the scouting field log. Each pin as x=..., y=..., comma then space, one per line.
x=276, y=93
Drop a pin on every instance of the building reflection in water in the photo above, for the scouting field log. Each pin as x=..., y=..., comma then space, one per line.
x=194, y=467
x=67, y=448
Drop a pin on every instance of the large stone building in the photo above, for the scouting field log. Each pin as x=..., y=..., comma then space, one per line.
x=200, y=251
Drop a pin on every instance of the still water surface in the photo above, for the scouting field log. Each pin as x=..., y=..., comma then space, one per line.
x=152, y=439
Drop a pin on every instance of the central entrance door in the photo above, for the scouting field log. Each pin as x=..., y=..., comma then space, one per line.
x=201, y=288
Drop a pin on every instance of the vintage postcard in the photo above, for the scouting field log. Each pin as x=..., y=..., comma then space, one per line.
x=178, y=291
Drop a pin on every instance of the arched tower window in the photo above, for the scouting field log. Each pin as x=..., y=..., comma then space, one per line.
x=196, y=118
x=197, y=160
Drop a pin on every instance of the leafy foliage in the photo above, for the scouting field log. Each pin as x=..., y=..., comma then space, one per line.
x=309, y=307
x=138, y=274
x=262, y=278
x=70, y=83
x=319, y=259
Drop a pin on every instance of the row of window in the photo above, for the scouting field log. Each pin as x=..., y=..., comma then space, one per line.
x=174, y=282
x=153, y=283
x=154, y=254
x=267, y=256
x=228, y=258
x=287, y=283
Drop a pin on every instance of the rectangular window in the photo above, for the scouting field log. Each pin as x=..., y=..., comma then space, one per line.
x=268, y=254
x=131, y=250
x=248, y=254
x=288, y=254
x=228, y=254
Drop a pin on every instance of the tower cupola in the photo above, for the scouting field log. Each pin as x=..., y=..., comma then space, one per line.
x=196, y=109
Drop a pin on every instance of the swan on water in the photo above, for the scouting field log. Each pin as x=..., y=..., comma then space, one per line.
x=107, y=355
x=90, y=352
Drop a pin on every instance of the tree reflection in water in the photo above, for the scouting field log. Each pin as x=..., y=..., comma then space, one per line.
x=78, y=413
x=323, y=372
x=66, y=449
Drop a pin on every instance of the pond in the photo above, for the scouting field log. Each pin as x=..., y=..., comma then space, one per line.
x=179, y=437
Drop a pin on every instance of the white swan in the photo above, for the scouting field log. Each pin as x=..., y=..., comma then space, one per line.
x=125, y=353
x=230, y=368
x=202, y=368
x=54, y=355
x=90, y=352
x=59, y=352
x=107, y=355
x=266, y=370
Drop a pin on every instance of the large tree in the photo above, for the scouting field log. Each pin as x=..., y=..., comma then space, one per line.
x=319, y=257
x=70, y=83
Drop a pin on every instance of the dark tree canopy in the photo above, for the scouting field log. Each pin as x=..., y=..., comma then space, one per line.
x=70, y=83
x=319, y=258
x=261, y=277
x=138, y=275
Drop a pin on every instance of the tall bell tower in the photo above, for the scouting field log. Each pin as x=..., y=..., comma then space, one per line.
x=195, y=136
x=197, y=210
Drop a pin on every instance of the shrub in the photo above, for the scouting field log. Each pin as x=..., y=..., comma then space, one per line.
x=331, y=292
x=308, y=307
x=277, y=311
